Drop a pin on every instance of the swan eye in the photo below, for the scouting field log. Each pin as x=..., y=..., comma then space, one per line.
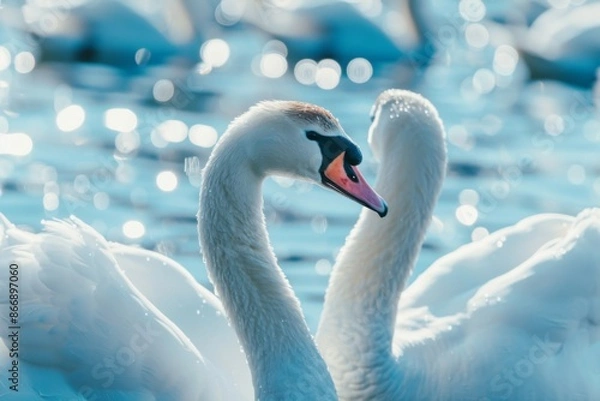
x=312, y=135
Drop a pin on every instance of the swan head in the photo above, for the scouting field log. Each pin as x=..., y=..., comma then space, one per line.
x=405, y=121
x=304, y=141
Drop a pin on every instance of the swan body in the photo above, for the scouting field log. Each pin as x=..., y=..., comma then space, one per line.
x=106, y=321
x=342, y=31
x=564, y=45
x=500, y=318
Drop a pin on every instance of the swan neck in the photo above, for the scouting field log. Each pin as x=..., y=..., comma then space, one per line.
x=255, y=294
x=374, y=264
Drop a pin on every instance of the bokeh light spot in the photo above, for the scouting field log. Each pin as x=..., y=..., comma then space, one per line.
x=120, y=119
x=70, y=118
x=142, y=56
x=472, y=10
x=323, y=267
x=163, y=90
x=479, y=233
x=133, y=229
x=468, y=197
x=484, y=81
x=466, y=215
x=16, y=144
x=215, y=52
x=505, y=60
x=24, y=62
x=166, y=181
x=359, y=70
x=50, y=201
x=305, y=71
x=273, y=65
x=204, y=136
x=477, y=36
x=328, y=74
x=5, y=58
x=101, y=201
x=127, y=142
x=172, y=130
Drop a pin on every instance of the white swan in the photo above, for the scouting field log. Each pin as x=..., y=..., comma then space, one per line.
x=87, y=329
x=344, y=30
x=513, y=316
x=563, y=45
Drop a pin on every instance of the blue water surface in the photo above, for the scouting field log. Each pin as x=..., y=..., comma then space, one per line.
x=515, y=148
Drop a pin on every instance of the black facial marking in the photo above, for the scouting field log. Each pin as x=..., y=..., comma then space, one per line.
x=331, y=147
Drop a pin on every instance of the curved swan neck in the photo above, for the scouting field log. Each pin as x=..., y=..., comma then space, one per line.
x=255, y=293
x=374, y=264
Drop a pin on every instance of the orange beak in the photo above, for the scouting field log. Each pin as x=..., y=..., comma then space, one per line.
x=347, y=179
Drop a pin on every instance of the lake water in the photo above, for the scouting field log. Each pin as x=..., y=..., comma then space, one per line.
x=515, y=149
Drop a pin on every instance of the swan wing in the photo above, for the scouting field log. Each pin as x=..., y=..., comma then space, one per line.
x=521, y=326
x=449, y=282
x=193, y=308
x=82, y=320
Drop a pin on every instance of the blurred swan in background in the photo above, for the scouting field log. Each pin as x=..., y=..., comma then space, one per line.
x=102, y=321
x=500, y=318
x=92, y=31
x=563, y=44
x=344, y=30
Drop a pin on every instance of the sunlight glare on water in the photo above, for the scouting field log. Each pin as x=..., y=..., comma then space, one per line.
x=163, y=90
x=70, y=118
x=120, y=119
x=305, y=71
x=468, y=197
x=273, y=65
x=505, y=60
x=477, y=35
x=51, y=201
x=328, y=74
x=101, y=200
x=466, y=215
x=127, y=142
x=215, y=52
x=16, y=144
x=5, y=58
x=202, y=135
x=472, y=10
x=323, y=267
x=166, y=181
x=359, y=70
x=24, y=62
x=174, y=131
x=133, y=229
x=479, y=233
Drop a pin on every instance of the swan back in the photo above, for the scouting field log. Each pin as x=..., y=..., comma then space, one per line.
x=81, y=320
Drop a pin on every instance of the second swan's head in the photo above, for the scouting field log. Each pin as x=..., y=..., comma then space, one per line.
x=304, y=141
x=405, y=122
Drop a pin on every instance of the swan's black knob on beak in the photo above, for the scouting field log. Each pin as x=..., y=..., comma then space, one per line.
x=339, y=172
